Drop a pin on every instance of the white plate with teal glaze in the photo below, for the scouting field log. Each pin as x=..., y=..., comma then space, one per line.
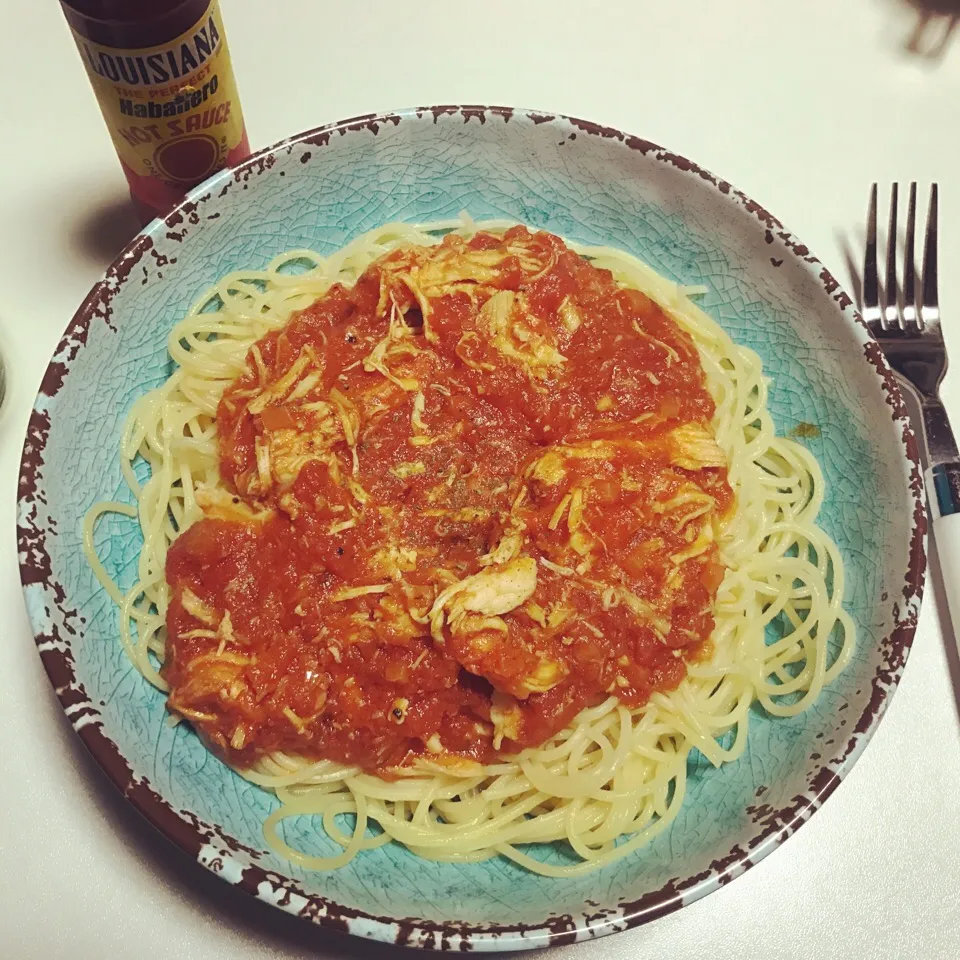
x=587, y=183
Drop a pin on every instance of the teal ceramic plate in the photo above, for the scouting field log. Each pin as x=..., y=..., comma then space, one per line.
x=591, y=184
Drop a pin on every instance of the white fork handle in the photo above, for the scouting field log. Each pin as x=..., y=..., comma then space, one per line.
x=943, y=491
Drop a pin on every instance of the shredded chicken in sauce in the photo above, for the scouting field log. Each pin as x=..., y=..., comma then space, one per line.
x=467, y=498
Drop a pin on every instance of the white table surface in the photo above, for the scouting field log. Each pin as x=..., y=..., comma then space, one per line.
x=801, y=105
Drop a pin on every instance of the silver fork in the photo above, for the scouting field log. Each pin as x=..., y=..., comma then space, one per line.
x=908, y=331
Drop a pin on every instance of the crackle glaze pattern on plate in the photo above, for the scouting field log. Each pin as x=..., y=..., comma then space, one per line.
x=588, y=183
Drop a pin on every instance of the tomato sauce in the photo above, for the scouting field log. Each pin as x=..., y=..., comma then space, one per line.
x=470, y=496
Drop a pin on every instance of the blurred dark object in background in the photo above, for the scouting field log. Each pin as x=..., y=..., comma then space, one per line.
x=936, y=22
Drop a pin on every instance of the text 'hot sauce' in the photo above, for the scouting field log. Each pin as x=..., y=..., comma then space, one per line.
x=162, y=74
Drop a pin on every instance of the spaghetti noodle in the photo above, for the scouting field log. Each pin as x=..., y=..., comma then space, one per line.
x=614, y=776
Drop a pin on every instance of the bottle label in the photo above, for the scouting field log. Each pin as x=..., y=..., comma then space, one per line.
x=172, y=110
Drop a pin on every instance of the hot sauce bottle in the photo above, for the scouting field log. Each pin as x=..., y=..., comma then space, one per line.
x=162, y=74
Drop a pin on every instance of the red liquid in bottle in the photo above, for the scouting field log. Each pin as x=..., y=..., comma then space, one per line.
x=162, y=74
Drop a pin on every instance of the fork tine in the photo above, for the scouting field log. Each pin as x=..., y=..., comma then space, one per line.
x=909, y=267
x=929, y=305
x=891, y=317
x=871, y=281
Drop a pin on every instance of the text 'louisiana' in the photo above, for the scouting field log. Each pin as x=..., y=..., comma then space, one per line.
x=157, y=67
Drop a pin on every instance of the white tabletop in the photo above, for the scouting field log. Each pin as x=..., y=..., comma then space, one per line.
x=801, y=105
